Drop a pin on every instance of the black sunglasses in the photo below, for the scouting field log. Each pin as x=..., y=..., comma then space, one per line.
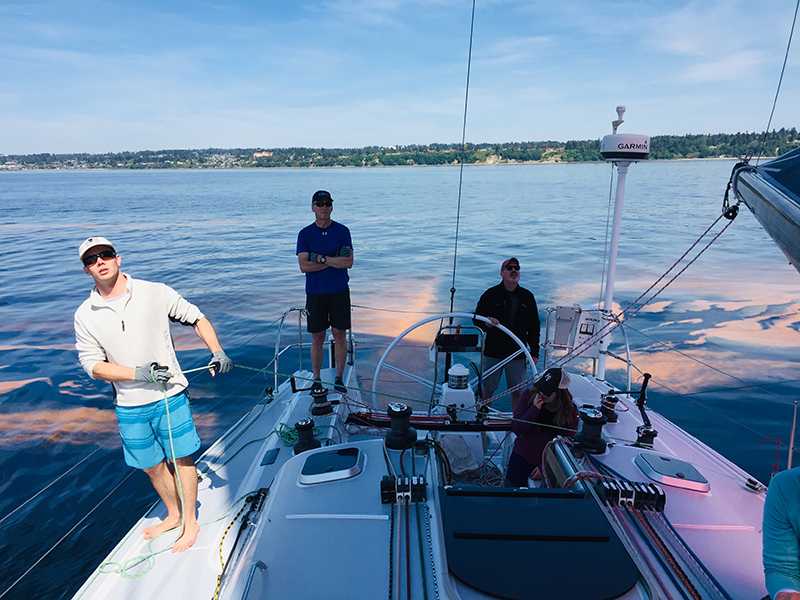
x=321, y=204
x=88, y=261
x=512, y=267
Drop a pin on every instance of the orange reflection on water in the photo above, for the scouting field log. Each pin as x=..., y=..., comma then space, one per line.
x=8, y=386
x=374, y=315
x=686, y=374
x=185, y=343
x=735, y=345
x=39, y=347
x=82, y=425
x=75, y=425
x=65, y=387
x=774, y=332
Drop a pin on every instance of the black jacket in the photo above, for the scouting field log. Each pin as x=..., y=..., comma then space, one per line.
x=496, y=302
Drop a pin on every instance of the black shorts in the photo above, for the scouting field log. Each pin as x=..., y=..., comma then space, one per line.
x=328, y=310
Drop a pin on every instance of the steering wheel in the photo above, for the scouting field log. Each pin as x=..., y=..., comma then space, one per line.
x=396, y=340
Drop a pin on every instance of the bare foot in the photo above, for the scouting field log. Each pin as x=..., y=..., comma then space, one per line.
x=159, y=528
x=188, y=537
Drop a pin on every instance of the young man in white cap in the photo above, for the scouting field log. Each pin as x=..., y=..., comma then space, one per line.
x=325, y=253
x=511, y=305
x=123, y=337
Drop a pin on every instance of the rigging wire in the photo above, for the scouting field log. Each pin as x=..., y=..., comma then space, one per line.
x=624, y=315
x=66, y=535
x=57, y=479
x=398, y=311
x=780, y=81
x=463, y=150
x=707, y=365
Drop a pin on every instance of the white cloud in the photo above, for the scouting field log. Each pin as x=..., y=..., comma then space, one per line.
x=736, y=67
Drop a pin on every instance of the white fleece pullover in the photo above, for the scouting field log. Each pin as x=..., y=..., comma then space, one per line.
x=138, y=336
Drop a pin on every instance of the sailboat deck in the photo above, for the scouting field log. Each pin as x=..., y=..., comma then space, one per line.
x=320, y=528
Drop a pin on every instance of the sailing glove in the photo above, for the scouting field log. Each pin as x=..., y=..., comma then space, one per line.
x=313, y=257
x=153, y=373
x=220, y=362
x=346, y=251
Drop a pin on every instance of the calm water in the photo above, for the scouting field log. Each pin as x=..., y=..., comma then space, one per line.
x=721, y=342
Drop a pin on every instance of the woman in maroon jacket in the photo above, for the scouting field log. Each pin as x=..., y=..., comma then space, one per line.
x=543, y=412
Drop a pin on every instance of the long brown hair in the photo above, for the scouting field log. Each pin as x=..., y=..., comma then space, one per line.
x=565, y=406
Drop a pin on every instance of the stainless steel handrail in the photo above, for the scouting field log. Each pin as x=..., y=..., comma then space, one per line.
x=301, y=311
x=547, y=346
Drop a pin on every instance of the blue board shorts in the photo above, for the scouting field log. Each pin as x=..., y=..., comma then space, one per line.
x=145, y=431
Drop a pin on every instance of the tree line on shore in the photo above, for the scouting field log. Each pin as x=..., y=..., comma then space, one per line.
x=663, y=147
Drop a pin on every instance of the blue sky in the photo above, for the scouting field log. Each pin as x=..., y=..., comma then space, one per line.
x=109, y=76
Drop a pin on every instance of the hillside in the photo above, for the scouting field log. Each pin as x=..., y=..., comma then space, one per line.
x=663, y=147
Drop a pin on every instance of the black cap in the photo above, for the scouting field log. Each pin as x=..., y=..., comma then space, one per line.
x=321, y=195
x=552, y=380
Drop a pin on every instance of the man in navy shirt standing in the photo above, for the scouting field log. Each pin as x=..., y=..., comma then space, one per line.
x=325, y=252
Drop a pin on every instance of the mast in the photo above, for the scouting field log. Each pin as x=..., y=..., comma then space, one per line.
x=620, y=150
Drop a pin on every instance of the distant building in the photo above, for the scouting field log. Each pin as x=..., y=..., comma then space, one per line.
x=261, y=154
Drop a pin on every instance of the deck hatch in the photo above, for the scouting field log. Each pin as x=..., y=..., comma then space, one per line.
x=332, y=465
x=672, y=471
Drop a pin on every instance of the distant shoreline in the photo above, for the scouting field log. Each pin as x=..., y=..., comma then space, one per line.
x=664, y=147
x=4, y=169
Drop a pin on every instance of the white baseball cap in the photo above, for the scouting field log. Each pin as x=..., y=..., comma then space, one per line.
x=91, y=243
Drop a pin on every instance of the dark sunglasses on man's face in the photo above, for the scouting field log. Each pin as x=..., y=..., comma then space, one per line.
x=512, y=267
x=88, y=261
x=321, y=204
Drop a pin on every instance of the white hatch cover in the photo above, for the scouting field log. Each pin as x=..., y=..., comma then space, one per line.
x=672, y=471
x=332, y=465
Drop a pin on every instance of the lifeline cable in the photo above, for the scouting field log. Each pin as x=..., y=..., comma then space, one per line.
x=57, y=479
x=86, y=516
x=49, y=550
x=398, y=311
x=74, y=527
